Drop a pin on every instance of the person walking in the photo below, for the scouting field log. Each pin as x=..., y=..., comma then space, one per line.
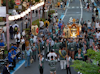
x=17, y=37
x=62, y=54
x=15, y=27
x=52, y=64
x=36, y=12
x=41, y=62
x=68, y=60
x=6, y=69
x=11, y=32
x=33, y=47
x=28, y=56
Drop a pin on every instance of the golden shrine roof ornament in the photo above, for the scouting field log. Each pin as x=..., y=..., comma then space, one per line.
x=72, y=30
x=74, y=20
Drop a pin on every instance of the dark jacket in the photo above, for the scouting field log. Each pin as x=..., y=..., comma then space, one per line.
x=11, y=29
x=5, y=71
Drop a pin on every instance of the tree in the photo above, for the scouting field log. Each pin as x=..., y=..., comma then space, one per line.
x=37, y=0
x=11, y=3
x=86, y=67
x=43, y=14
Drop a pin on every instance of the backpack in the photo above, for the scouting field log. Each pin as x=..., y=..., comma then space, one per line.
x=16, y=28
x=11, y=29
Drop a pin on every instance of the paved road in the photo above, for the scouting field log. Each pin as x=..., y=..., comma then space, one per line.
x=74, y=10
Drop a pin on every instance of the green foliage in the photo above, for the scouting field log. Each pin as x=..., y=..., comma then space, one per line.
x=36, y=22
x=37, y=0
x=1, y=19
x=51, y=11
x=11, y=3
x=85, y=67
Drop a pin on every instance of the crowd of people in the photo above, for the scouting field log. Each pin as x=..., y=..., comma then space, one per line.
x=51, y=46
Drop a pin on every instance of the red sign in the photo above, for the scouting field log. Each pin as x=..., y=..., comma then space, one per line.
x=17, y=2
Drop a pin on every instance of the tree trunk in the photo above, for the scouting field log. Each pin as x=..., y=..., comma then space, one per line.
x=43, y=14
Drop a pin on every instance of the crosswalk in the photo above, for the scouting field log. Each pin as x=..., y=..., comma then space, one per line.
x=73, y=7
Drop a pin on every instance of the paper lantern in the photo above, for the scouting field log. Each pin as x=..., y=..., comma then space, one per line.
x=34, y=29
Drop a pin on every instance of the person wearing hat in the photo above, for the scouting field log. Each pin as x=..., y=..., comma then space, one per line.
x=52, y=64
x=6, y=68
x=62, y=54
x=79, y=55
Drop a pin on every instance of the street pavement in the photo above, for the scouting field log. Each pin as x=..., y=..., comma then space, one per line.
x=74, y=11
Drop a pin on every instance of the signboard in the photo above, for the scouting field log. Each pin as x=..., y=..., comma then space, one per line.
x=3, y=11
x=17, y=2
x=17, y=6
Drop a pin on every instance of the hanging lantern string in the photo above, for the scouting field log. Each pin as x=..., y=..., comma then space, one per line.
x=18, y=16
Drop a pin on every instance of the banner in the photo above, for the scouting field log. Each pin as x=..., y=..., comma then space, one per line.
x=3, y=11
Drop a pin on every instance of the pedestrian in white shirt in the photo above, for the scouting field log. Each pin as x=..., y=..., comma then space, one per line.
x=15, y=25
x=41, y=24
x=17, y=38
x=97, y=24
x=89, y=24
x=97, y=34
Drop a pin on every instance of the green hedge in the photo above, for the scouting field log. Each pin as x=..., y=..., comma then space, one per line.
x=36, y=22
x=51, y=11
x=1, y=19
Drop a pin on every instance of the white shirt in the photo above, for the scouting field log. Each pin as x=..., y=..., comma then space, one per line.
x=52, y=54
x=4, y=28
x=41, y=23
x=97, y=35
x=97, y=25
x=92, y=1
x=35, y=39
x=17, y=36
x=15, y=25
x=22, y=40
x=79, y=55
x=52, y=43
x=89, y=24
x=69, y=60
x=23, y=33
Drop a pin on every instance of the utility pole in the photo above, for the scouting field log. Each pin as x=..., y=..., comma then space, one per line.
x=7, y=6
